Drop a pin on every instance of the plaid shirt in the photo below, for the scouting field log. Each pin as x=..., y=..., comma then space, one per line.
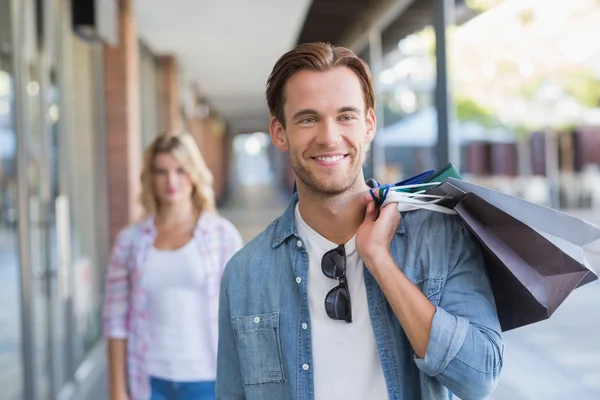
x=125, y=314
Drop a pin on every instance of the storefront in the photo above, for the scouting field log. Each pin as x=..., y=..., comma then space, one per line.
x=53, y=211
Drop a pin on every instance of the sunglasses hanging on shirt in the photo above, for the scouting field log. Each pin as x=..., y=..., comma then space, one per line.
x=337, y=301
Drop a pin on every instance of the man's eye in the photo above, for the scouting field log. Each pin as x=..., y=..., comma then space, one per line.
x=347, y=118
x=309, y=120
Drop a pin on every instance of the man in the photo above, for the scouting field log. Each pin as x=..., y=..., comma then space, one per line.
x=337, y=299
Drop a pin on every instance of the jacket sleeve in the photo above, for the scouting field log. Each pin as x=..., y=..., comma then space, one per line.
x=465, y=346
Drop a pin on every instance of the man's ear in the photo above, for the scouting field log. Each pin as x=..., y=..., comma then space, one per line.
x=371, y=123
x=278, y=137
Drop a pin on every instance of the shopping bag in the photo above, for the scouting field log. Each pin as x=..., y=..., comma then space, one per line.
x=529, y=275
x=533, y=263
x=572, y=235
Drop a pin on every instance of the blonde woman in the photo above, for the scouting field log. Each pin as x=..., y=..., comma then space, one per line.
x=162, y=285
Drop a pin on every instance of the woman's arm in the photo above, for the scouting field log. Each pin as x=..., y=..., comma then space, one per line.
x=117, y=369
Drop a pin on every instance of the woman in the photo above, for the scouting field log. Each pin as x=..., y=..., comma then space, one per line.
x=162, y=285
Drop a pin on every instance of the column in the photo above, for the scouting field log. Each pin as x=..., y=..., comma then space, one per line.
x=122, y=122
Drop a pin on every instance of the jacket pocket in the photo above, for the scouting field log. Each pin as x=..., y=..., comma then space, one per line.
x=259, y=348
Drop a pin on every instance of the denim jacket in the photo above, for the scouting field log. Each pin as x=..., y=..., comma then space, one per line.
x=265, y=349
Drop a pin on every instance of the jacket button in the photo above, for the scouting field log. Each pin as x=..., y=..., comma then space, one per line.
x=305, y=367
x=299, y=243
x=256, y=320
x=298, y=279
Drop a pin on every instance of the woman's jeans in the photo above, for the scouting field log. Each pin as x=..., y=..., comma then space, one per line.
x=167, y=390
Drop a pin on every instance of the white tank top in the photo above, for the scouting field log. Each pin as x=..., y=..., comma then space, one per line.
x=179, y=347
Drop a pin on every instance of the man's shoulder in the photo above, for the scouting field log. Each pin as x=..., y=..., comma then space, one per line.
x=256, y=252
x=432, y=223
x=435, y=234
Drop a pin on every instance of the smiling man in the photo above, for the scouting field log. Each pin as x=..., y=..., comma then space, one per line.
x=337, y=299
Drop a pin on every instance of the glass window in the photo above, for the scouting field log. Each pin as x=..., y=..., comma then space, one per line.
x=86, y=274
x=10, y=312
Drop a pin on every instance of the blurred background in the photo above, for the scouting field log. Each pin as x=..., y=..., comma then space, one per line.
x=509, y=91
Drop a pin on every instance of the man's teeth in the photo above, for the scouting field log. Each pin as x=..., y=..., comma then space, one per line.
x=330, y=159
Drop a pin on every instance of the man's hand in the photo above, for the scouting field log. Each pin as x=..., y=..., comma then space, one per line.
x=375, y=234
x=413, y=310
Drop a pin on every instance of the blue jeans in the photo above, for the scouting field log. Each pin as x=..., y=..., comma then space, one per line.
x=168, y=390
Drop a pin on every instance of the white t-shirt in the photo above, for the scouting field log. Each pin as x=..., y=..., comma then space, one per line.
x=346, y=363
x=179, y=346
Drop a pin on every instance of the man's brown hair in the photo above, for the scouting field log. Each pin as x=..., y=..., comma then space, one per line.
x=315, y=57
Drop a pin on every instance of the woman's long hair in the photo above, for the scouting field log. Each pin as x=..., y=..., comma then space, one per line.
x=183, y=147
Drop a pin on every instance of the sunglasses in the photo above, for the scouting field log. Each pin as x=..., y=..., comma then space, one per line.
x=337, y=301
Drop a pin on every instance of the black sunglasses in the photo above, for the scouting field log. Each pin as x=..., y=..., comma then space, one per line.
x=337, y=301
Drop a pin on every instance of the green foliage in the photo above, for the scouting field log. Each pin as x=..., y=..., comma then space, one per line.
x=469, y=110
x=582, y=84
x=530, y=87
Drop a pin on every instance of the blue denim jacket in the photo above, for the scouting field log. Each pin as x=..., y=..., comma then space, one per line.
x=265, y=354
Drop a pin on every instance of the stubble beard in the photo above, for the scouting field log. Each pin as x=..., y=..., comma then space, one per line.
x=327, y=187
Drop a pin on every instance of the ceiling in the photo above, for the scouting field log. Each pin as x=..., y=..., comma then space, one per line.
x=339, y=21
x=334, y=21
x=226, y=47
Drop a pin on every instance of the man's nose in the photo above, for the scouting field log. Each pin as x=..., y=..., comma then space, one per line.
x=328, y=132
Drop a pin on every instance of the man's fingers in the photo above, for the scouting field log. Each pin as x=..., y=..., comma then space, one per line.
x=390, y=211
x=371, y=214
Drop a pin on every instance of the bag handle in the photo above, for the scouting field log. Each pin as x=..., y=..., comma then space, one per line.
x=412, y=201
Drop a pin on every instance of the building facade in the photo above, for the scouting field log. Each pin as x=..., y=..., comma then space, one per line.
x=80, y=97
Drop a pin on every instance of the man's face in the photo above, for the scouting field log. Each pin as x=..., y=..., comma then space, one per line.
x=327, y=129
